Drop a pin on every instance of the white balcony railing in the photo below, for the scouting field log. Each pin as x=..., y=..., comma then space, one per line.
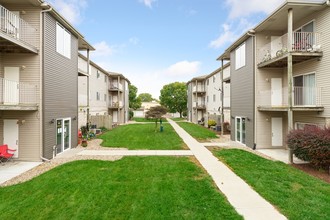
x=116, y=86
x=199, y=89
x=116, y=104
x=301, y=96
x=16, y=93
x=15, y=27
x=199, y=105
x=301, y=42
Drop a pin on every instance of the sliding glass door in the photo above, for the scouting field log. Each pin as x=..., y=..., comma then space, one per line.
x=240, y=129
x=63, y=135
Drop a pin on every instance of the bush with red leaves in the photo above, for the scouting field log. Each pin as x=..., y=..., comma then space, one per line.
x=311, y=144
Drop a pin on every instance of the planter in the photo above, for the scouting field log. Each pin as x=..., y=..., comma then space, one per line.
x=84, y=143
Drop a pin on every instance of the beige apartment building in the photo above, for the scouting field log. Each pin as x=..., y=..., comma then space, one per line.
x=280, y=75
x=39, y=84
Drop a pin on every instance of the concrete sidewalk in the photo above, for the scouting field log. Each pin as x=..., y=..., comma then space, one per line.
x=13, y=169
x=241, y=196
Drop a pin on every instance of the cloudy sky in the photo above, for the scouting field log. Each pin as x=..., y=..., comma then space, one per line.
x=156, y=42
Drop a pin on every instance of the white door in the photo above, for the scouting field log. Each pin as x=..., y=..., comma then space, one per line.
x=115, y=116
x=276, y=91
x=11, y=86
x=277, y=132
x=10, y=134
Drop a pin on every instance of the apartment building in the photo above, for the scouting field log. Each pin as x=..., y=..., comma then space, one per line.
x=92, y=91
x=39, y=84
x=279, y=75
x=209, y=96
x=118, y=98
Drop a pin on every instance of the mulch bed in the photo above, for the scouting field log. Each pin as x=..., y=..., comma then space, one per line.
x=311, y=170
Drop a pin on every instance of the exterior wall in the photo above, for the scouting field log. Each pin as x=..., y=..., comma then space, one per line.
x=29, y=146
x=212, y=90
x=189, y=102
x=126, y=101
x=98, y=85
x=82, y=101
x=60, y=87
x=242, y=92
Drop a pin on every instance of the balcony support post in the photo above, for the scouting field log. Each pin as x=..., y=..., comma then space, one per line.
x=290, y=113
x=222, y=116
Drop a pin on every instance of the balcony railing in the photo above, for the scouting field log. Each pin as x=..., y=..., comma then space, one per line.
x=301, y=97
x=199, y=105
x=199, y=89
x=301, y=42
x=116, y=104
x=17, y=28
x=17, y=93
x=115, y=86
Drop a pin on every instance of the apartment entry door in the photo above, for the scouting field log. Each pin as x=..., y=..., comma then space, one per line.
x=11, y=86
x=240, y=129
x=277, y=132
x=276, y=96
x=10, y=134
x=63, y=135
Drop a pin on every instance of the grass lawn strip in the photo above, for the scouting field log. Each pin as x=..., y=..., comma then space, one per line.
x=297, y=194
x=143, y=137
x=200, y=133
x=131, y=188
x=137, y=119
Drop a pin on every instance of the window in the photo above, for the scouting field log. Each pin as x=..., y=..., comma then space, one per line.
x=304, y=90
x=105, y=97
x=97, y=74
x=105, y=78
x=214, y=97
x=63, y=41
x=240, y=56
x=207, y=81
x=97, y=96
x=213, y=78
x=207, y=99
x=302, y=125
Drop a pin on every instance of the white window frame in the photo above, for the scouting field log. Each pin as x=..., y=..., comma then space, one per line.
x=241, y=129
x=304, y=124
x=240, y=56
x=63, y=41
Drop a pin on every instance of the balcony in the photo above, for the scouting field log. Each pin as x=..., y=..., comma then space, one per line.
x=17, y=96
x=113, y=87
x=303, y=99
x=115, y=105
x=199, y=105
x=16, y=35
x=199, y=89
x=306, y=46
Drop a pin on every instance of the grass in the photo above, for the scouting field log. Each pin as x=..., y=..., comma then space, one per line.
x=137, y=119
x=131, y=188
x=143, y=136
x=198, y=132
x=178, y=119
x=296, y=194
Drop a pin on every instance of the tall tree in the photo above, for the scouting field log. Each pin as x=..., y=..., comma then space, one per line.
x=134, y=101
x=146, y=97
x=174, y=97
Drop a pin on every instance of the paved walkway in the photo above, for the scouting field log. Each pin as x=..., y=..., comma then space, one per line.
x=241, y=196
x=13, y=169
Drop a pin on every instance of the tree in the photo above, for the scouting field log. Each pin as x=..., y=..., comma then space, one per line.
x=146, y=97
x=134, y=102
x=156, y=113
x=174, y=97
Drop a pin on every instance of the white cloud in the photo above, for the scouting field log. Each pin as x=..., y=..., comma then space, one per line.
x=183, y=68
x=103, y=49
x=70, y=9
x=239, y=8
x=227, y=36
x=148, y=3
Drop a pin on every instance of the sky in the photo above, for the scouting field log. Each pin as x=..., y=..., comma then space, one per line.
x=157, y=42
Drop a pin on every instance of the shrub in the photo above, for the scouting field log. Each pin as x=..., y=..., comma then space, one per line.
x=311, y=144
x=211, y=123
x=130, y=114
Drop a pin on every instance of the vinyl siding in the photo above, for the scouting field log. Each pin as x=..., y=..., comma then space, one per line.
x=60, y=87
x=242, y=93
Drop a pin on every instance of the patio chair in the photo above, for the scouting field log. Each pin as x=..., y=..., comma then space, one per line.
x=6, y=154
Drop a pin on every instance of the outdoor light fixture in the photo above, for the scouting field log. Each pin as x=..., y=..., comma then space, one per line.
x=52, y=121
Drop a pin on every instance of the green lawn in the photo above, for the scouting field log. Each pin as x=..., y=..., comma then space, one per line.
x=178, y=119
x=296, y=194
x=137, y=119
x=143, y=136
x=131, y=188
x=198, y=132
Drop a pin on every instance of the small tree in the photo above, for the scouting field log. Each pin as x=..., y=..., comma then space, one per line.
x=156, y=113
x=134, y=101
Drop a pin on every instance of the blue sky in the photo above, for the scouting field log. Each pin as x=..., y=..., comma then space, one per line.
x=156, y=42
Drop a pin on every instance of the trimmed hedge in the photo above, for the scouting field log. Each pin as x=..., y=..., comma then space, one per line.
x=311, y=144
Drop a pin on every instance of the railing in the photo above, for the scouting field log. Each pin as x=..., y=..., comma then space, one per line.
x=199, y=89
x=301, y=96
x=199, y=105
x=116, y=104
x=16, y=93
x=116, y=86
x=301, y=42
x=17, y=28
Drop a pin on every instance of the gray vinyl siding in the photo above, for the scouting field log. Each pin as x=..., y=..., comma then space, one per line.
x=60, y=87
x=242, y=92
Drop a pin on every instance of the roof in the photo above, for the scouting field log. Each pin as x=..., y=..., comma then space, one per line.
x=93, y=64
x=200, y=78
x=120, y=75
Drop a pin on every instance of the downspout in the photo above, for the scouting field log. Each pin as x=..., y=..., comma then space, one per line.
x=88, y=92
x=290, y=113
x=41, y=93
x=222, y=96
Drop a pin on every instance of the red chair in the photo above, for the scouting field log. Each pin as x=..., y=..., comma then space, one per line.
x=6, y=154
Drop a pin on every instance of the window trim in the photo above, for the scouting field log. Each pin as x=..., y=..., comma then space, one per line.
x=65, y=48
x=239, y=63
